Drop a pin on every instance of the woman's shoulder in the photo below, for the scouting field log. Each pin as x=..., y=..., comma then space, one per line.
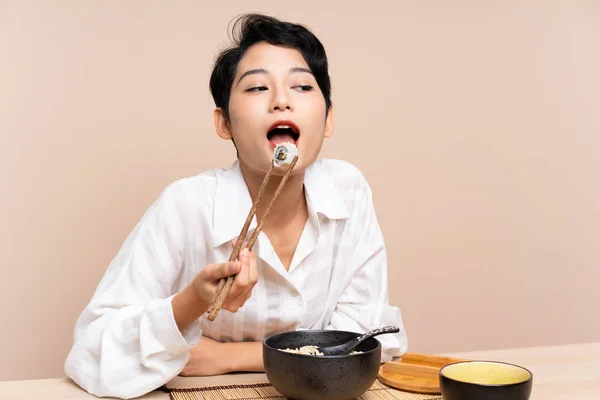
x=192, y=191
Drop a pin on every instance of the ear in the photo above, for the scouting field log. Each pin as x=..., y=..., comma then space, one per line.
x=329, y=123
x=222, y=125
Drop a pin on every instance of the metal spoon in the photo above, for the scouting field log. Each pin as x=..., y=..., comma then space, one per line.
x=347, y=347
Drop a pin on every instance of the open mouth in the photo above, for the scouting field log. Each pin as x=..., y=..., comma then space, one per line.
x=283, y=131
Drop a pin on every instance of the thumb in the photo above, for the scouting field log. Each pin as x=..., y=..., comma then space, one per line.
x=214, y=272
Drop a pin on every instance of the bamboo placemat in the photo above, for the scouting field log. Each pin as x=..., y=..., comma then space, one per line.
x=258, y=391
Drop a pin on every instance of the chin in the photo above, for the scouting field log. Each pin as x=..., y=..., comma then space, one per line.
x=281, y=172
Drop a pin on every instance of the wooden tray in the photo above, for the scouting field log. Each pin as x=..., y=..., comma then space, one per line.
x=415, y=372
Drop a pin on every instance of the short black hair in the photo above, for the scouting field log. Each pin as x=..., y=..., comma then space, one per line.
x=250, y=29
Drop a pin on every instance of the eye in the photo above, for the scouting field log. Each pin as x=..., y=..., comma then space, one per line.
x=257, y=89
x=303, y=88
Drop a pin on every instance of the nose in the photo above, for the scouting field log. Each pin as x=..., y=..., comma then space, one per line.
x=281, y=100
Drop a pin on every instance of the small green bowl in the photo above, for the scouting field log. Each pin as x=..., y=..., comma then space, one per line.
x=489, y=380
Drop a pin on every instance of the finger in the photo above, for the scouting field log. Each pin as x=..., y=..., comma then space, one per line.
x=241, y=280
x=246, y=291
x=252, y=272
x=234, y=305
x=243, y=298
x=214, y=272
x=230, y=307
x=249, y=263
x=240, y=300
x=252, y=277
x=253, y=269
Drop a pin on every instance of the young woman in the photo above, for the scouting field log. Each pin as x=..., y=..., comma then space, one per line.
x=319, y=263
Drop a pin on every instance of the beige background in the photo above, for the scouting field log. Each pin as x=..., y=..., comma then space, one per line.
x=490, y=205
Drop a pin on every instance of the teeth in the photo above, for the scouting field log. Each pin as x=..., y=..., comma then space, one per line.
x=283, y=127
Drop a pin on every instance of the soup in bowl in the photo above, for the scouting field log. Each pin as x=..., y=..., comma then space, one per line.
x=490, y=380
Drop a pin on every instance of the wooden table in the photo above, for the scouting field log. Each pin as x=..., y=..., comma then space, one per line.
x=570, y=372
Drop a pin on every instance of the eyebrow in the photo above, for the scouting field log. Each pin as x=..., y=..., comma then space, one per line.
x=262, y=71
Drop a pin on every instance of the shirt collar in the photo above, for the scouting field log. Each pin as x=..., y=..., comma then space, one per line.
x=233, y=201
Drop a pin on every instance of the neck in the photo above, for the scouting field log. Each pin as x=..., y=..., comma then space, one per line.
x=290, y=201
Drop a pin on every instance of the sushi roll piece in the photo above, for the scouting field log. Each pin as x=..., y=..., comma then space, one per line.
x=284, y=154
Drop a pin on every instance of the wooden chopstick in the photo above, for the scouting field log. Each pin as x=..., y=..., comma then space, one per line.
x=226, y=284
x=242, y=236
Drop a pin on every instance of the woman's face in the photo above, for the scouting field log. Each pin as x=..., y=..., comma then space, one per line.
x=274, y=87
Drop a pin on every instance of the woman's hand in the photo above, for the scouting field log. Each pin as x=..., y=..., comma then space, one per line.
x=206, y=282
x=193, y=301
x=210, y=357
x=206, y=358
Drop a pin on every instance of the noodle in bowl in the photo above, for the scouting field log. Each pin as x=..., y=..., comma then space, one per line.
x=296, y=367
x=312, y=351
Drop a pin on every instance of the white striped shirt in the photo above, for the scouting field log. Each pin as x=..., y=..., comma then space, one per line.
x=126, y=341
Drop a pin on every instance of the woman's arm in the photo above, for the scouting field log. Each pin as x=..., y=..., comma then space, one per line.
x=210, y=357
x=364, y=303
x=135, y=335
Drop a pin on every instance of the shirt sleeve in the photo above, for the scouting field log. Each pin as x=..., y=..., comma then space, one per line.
x=364, y=304
x=126, y=342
